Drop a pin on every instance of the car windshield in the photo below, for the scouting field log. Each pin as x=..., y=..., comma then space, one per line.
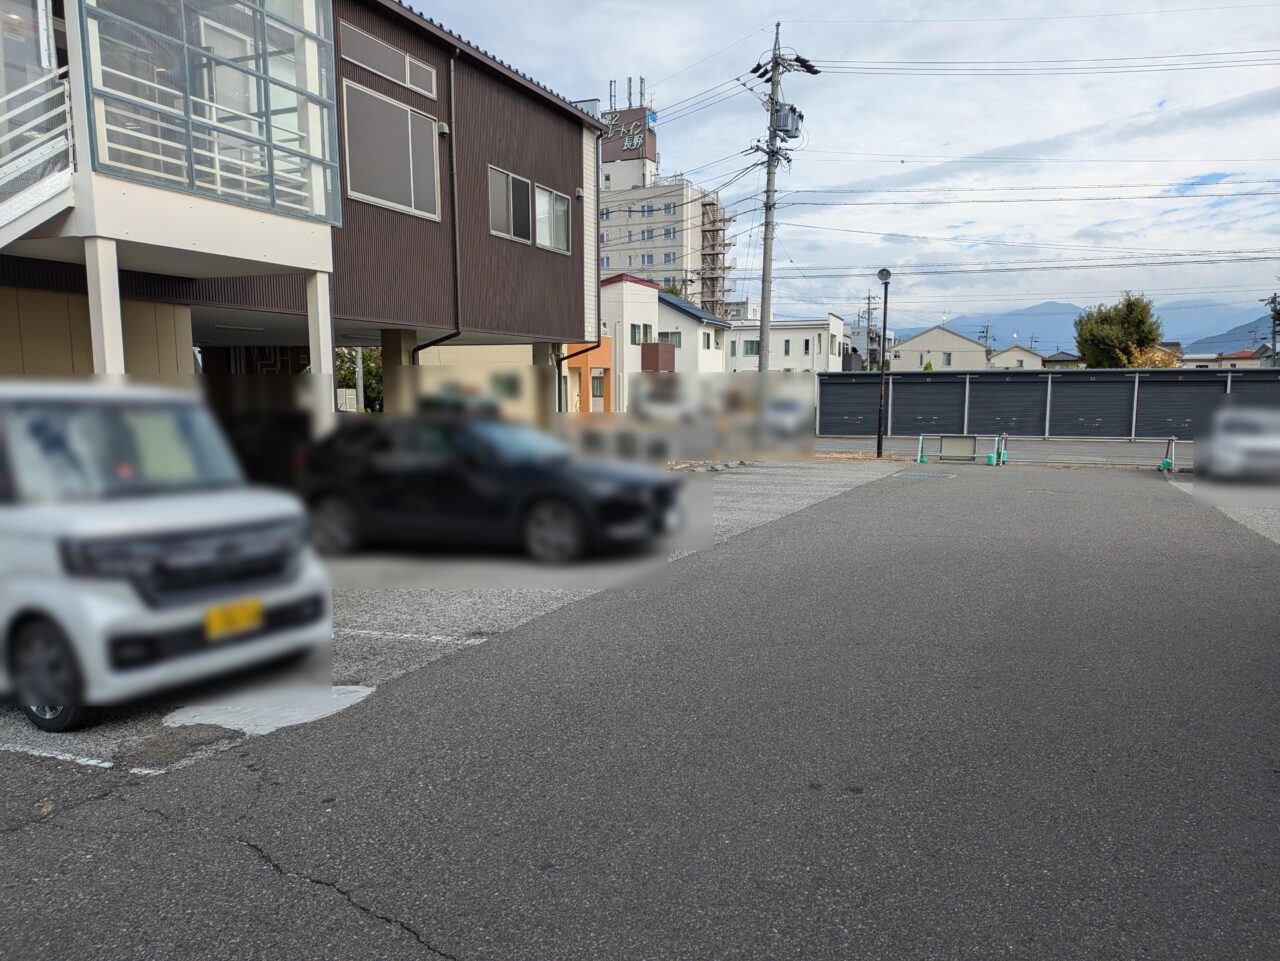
x=71, y=451
x=518, y=443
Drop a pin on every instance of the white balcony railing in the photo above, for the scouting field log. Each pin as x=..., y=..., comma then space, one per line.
x=35, y=144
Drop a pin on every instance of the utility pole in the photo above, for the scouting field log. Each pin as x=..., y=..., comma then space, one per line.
x=784, y=123
x=985, y=335
x=1031, y=343
x=1274, y=303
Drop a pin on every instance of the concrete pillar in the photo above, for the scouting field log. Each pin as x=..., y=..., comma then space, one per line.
x=106, y=326
x=320, y=351
x=398, y=374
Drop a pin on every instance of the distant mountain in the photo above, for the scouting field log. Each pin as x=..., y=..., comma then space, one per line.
x=1052, y=323
x=1249, y=334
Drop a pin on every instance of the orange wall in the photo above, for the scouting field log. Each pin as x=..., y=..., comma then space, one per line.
x=580, y=368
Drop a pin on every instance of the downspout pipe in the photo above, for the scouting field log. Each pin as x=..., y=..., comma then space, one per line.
x=561, y=358
x=453, y=210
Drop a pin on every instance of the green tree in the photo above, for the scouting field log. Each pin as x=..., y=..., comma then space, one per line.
x=1119, y=334
x=674, y=290
x=928, y=365
x=346, y=374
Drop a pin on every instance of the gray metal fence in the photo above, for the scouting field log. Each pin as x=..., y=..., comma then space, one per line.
x=1121, y=404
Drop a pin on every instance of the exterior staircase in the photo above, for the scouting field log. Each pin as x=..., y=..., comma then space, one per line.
x=36, y=157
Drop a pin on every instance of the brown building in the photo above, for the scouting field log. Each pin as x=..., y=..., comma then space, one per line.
x=461, y=196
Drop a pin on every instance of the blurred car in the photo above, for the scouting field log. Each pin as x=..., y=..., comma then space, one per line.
x=439, y=481
x=133, y=555
x=1243, y=444
x=786, y=418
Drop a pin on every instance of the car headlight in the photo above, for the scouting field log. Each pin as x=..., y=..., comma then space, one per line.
x=110, y=558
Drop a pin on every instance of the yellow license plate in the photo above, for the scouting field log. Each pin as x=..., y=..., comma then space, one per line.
x=226, y=620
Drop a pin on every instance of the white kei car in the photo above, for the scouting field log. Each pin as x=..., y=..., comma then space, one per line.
x=134, y=557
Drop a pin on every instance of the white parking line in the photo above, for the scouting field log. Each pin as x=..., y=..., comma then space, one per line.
x=57, y=756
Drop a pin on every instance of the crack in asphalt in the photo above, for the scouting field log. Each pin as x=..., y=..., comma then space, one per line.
x=404, y=926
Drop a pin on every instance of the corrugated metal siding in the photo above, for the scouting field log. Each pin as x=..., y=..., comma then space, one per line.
x=929, y=405
x=390, y=266
x=1099, y=407
x=1260, y=387
x=848, y=407
x=507, y=286
x=1006, y=405
x=1170, y=407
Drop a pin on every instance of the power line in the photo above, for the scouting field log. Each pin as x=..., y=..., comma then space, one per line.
x=1061, y=16
x=1128, y=186
x=979, y=158
x=1022, y=200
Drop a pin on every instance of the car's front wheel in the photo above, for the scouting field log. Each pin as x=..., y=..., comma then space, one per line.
x=335, y=528
x=47, y=678
x=554, y=532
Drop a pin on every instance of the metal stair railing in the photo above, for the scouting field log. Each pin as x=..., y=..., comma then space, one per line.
x=35, y=139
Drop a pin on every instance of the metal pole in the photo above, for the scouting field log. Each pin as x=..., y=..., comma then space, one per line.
x=965, y=428
x=1048, y=404
x=888, y=416
x=884, y=360
x=770, y=193
x=359, y=379
x=1133, y=423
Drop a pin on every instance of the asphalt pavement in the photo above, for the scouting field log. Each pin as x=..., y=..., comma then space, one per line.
x=955, y=712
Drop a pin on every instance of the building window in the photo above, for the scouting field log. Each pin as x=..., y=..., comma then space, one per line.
x=597, y=385
x=669, y=257
x=786, y=347
x=733, y=348
x=751, y=348
x=922, y=360
x=668, y=233
x=706, y=340
x=646, y=260
x=604, y=213
x=392, y=153
x=669, y=209
x=946, y=358
x=646, y=210
x=806, y=346
x=604, y=261
x=819, y=350
x=604, y=236
x=508, y=206
x=635, y=334
x=646, y=234
x=553, y=220
x=671, y=337
x=213, y=99
x=386, y=61
x=648, y=333
x=1022, y=363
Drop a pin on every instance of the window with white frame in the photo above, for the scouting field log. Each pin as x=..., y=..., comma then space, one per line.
x=604, y=236
x=646, y=234
x=806, y=346
x=668, y=281
x=946, y=358
x=392, y=153
x=751, y=348
x=509, y=206
x=669, y=257
x=604, y=261
x=553, y=219
x=646, y=210
x=646, y=260
x=604, y=213
x=648, y=333
x=668, y=233
x=786, y=347
x=669, y=209
x=671, y=337
x=635, y=334
x=706, y=340
x=733, y=348
x=381, y=58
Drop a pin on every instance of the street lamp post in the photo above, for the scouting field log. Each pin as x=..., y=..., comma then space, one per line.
x=884, y=276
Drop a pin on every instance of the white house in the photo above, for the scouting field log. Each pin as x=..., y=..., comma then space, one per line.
x=697, y=335
x=794, y=345
x=940, y=348
x=1017, y=358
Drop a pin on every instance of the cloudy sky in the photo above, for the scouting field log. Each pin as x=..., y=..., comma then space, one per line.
x=925, y=166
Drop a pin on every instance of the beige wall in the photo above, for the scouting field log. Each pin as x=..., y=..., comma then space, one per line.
x=1009, y=357
x=929, y=346
x=45, y=334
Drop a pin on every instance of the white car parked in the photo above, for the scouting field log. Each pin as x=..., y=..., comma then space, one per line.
x=133, y=555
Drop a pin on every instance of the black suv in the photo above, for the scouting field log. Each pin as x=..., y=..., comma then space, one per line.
x=440, y=481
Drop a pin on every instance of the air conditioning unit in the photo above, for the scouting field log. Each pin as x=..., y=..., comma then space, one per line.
x=787, y=120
